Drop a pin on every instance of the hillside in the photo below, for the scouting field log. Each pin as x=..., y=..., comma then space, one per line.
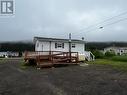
x=29, y=46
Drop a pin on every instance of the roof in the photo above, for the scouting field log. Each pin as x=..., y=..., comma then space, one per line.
x=57, y=40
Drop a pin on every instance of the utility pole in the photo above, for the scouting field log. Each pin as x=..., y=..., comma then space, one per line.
x=70, y=47
x=0, y=46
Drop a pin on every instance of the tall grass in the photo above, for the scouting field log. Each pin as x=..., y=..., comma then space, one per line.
x=121, y=64
x=119, y=58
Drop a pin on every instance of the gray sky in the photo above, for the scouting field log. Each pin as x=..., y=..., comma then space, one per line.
x=58, y=18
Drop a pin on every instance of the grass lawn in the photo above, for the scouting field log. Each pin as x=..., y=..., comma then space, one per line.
x=1, y=60
x=116, y=64
x=119, y=58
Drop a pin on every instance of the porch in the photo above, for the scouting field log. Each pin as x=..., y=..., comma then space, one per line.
x=50, y=58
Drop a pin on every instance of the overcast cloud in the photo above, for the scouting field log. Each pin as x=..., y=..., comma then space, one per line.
x=58, y=18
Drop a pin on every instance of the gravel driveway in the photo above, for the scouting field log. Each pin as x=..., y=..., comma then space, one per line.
x=70, y=80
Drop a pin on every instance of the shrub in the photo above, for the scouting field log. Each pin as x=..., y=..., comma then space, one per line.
x=110, y=54
x=98, y=54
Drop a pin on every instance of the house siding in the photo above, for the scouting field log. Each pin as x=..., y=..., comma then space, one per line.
x=46, y=47
x=78, y=48
x=65, y=49
x=43, y=46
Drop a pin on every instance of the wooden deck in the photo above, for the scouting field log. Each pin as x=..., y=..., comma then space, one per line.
x=50, y=58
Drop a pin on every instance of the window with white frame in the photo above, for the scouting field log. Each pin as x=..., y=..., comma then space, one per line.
x=73, y=45
x=59, y=45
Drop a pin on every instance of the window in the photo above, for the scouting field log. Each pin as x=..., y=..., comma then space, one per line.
x=73, y=46
x=59, y=45
x=121, y=50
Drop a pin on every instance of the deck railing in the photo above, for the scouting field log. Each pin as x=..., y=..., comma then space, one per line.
x=52, y=56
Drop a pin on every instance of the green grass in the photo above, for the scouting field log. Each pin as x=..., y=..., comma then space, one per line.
x=2, y=60
x=119, y=58
x=24, y=65
x=119, y=65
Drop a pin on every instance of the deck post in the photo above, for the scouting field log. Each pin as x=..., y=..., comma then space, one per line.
x=25, y=54
x=50, y=55
x=77, y=57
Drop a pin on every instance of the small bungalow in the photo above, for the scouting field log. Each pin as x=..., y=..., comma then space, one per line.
x=117, y=50
x=58, y=50
x=9, y=54
x=56, y=44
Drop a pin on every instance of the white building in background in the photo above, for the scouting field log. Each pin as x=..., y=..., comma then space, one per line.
x=3, y=54
x=9, y=54
x=117, y=50
x=55, y=44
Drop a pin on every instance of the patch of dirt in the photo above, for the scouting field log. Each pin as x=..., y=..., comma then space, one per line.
x=69, y=80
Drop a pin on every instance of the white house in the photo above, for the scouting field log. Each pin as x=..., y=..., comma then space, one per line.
x=3, y=54
x=117, y=50
x=9, y=54
x=55, y=44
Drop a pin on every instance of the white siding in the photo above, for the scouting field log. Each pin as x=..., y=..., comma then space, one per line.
x=65, y=49
x=43, y=46
x=46, y=47
x=78, y=48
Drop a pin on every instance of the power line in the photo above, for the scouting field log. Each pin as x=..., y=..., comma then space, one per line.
x=115, y=22
x=96, y=28
x=109, y=19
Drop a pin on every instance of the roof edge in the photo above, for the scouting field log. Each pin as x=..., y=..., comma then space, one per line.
x=57, y=39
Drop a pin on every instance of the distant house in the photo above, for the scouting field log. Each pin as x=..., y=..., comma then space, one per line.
x=3, y=54
x=13, y=54
x=9, y=54
x=55, y=44
x=117, y=50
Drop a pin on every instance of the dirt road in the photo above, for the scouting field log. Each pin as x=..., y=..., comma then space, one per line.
x=71, y=80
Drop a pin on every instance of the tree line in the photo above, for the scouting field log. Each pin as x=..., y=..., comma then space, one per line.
x=102, y=45
x=29, y=46
x=16, y=46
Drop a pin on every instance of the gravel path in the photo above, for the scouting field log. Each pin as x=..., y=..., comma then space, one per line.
x=71, y=80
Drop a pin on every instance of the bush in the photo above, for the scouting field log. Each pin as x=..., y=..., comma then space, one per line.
x=98, y=54
x=110, y=54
